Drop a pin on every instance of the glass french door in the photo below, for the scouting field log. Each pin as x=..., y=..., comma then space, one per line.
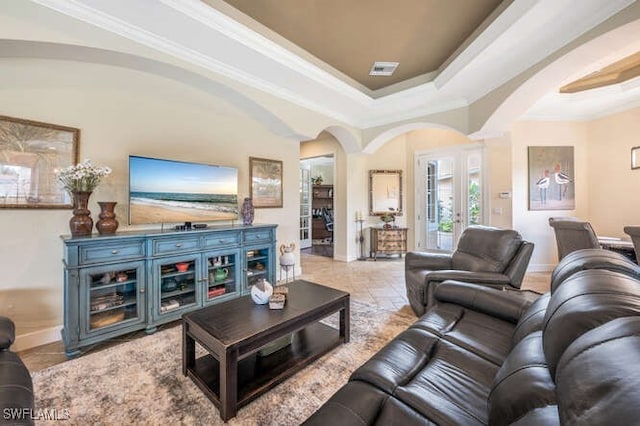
x=449, y=198
x=305, y=207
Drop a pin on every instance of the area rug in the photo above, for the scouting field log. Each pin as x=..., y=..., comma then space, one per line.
x=141, y=381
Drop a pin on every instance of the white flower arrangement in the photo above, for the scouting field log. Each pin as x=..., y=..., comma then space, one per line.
x=83, y=177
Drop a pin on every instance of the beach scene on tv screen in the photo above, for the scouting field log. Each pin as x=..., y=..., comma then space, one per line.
x=166, y=191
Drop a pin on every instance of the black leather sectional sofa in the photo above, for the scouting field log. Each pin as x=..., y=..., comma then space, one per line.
x=485, y=356
x=16, y=388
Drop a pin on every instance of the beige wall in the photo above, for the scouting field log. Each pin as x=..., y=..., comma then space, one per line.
x=534, y=225
x=498, y=172
x=606, y=187
x=614, y=189
x=119, y=112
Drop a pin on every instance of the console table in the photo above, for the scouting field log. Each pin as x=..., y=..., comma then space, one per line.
x=132, y=280
x=388, y=241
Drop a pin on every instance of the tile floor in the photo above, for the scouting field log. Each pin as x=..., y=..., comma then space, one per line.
x=378, y=282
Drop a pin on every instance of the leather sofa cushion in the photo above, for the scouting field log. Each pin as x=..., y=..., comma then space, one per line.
x=484, y=335
x=608, y=391
x=398, y=361
x=546, y=416
x=486, y=249
x=358, y=403
x=443, y=382
x=532, y=320
x=522, y=384
x=583, y=302
x=586, y=259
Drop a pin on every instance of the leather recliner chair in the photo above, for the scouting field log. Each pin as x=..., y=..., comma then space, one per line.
x=485, y=255
x=573, y=234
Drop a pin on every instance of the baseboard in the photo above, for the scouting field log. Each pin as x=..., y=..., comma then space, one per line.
x=37, y=338
x=344, y=258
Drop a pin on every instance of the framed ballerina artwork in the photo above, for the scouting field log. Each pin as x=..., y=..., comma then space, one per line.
x=551, y=178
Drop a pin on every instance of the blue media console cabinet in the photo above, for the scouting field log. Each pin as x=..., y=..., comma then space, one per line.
x=116, y=284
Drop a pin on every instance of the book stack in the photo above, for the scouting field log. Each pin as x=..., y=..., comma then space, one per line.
x=169, y=305
x=100, y=303
x=214, y=292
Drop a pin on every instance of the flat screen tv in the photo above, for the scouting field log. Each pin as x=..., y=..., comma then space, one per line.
x=168, y=191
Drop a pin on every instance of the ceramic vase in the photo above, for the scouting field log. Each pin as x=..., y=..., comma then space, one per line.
x=287, y=256
x=261, y=291
x=81, y=222
x=107, y=223
x=247, y=211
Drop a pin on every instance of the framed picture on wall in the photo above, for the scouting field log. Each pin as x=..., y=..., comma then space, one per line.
x=265, y=177
x=635, y=157
x=30, y=154
x=551, y=178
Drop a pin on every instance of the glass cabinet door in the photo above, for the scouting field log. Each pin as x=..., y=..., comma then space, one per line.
x=222, y=274
x=114, y=295
x=259, y=265
x=177, y=281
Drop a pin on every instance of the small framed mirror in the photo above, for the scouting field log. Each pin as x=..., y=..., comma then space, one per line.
x=635, y=157
x=385, y=192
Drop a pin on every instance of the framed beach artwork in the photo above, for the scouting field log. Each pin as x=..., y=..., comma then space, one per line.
x=266, y=182
x=30, y=154
x=551, y=178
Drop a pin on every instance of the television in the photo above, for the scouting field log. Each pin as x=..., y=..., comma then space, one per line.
x=169, y=191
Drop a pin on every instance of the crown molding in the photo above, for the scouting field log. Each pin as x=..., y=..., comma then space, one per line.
x=217, y=21
x=215, y=44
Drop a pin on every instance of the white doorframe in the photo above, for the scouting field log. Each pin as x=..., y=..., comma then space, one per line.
x=459, y=158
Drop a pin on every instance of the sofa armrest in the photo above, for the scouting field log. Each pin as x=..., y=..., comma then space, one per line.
x=505, y=304
x=7, y=333
x=518, y=266
x=430, y=261
x=493, y=278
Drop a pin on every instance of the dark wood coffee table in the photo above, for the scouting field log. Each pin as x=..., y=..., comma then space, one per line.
x=232, y=373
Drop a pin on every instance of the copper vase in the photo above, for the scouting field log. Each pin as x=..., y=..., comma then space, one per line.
x=107, y=223
x=81, y=222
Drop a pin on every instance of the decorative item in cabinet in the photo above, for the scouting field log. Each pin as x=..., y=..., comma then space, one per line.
x=222, y=275
x=113, y=297
x=177, y=285
x=256, y=268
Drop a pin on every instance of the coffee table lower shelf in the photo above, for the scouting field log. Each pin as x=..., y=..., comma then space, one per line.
x=257, y=374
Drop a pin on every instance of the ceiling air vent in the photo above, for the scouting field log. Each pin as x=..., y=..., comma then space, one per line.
x=383, y=68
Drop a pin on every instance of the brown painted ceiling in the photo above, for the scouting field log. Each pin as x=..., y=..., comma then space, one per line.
x=350, y=35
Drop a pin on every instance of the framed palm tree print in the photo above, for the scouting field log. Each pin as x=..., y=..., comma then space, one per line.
x=266, y=182
x=30, y=154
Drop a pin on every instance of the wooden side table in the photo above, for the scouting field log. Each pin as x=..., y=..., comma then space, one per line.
x=388, y=241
